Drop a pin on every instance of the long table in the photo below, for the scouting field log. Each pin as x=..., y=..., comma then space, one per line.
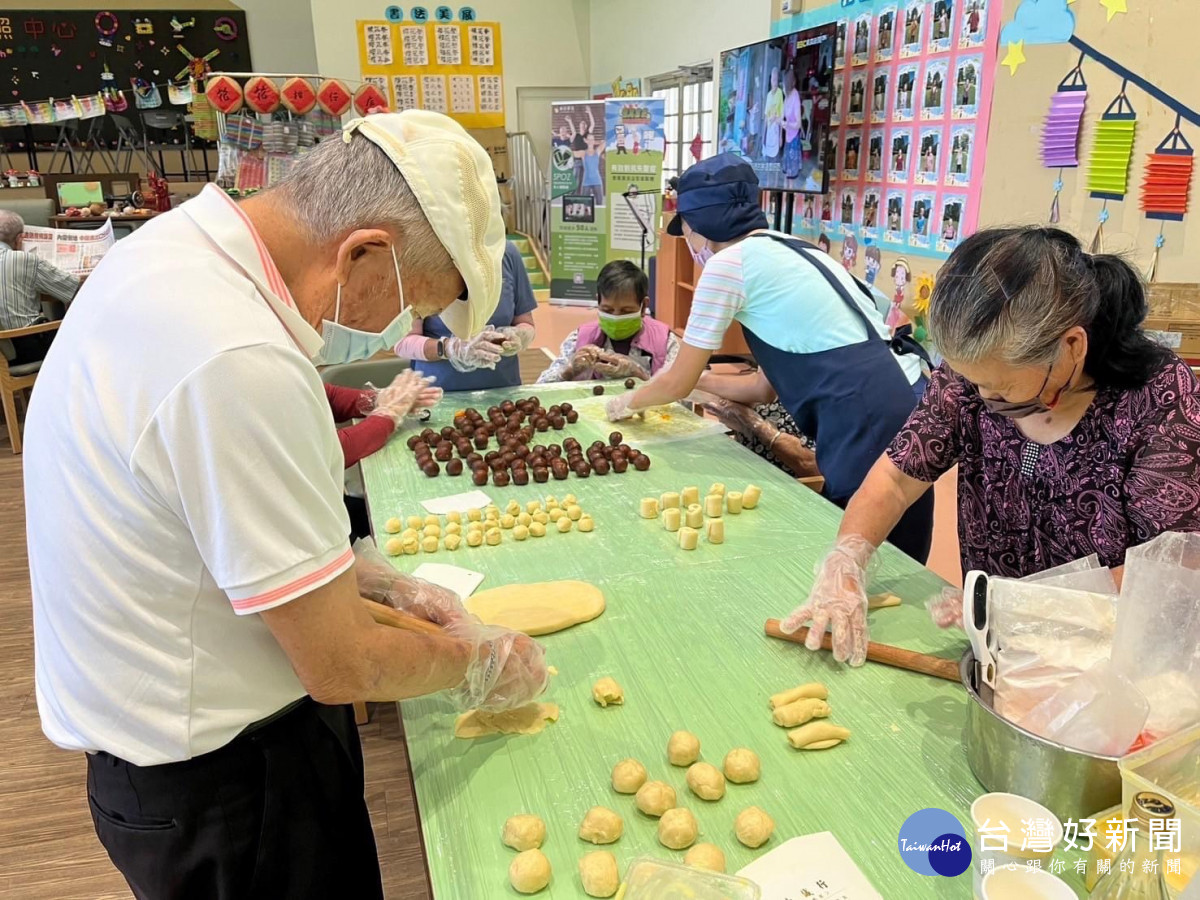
x=683, y=634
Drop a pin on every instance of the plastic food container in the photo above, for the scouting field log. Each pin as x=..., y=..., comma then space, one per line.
x=655, y=879
x=1171, y=767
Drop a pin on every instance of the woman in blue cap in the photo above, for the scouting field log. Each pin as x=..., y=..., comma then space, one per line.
x=813, y=327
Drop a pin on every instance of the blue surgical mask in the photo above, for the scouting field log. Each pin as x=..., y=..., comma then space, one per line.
x=344, y=345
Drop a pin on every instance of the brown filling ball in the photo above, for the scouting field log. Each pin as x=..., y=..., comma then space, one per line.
x=598, y=390
x=572, y=417
x=619, y=464
x=481, y=440
x=412, y=442
x=600, y=467
x=474, y=458
x=431, y=469
x=642, y=463
x=555, y=450
x=629, y=384
x=557, y=423
x=520, y=476
x=500, y=479
x=614, y=439
x=444, y=452
x=541, y=475
x=454, y=467
x=480, y=477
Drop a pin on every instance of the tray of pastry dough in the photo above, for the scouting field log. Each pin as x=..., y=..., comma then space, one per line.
x=654, y=879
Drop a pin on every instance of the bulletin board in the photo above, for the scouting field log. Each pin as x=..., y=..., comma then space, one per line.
x=453, y=68
x=910, y=109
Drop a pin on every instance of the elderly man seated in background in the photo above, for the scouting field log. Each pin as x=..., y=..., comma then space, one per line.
x=23, y=279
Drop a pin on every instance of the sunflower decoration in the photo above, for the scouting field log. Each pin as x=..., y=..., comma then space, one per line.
x=924, y=292
x=917, y=309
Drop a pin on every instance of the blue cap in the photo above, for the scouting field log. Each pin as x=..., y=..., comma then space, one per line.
x=719, y=199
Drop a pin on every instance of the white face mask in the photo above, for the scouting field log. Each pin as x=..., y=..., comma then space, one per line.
x=343, y=344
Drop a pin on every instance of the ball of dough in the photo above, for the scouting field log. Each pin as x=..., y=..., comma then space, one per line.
x=574, y=512
x=537, y=529
x=393, y=526
x=507, y=521
x=453, y=528
x=432, y=520
x=453, y=517
x=474, y=538
x=606, y=691
x=529, y=872
x=416, y=523
x=556, y=514
x=586, y=523
x=410, y=534
x=411, y=546
x=683, y=748
x=393, y=547
x=655, y=797
x=742, y=766
x=474, y=515
x=753, y=827
x=429, y=544
x=525, y=519
x=601, y=826
x=533, y=506
x=569, y=499
x=598, y=873
x=524, y=832
x=432, y=531
x=564, y=524
x=491, y=512
x=551, y=502
x=677, y=829
x=540, y=517
x=705, y=856
x=493, y=536
x=453, y=541
x=706, y=781
x=513, y=508
x=627, y=776
x=520, y=532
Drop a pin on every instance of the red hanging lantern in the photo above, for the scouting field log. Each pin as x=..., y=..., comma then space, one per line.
x=370, y=99
x=333, y=98
x=298, y=96
x=224, y=93
x=1167, y=186
x=262, y=95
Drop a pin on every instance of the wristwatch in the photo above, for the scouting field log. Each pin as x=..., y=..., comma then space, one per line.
x=441, y=348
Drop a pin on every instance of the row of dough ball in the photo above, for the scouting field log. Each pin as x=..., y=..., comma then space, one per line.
x=805, y=706
x=489, y=531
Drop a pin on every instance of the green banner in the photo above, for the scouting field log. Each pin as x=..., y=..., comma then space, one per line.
x=634, y=131
x=579, y=220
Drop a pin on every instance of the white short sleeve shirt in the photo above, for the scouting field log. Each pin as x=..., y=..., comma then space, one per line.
x=182, y=473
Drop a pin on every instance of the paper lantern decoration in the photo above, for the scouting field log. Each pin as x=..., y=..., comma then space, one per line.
x=1168, y=180
x=224, y=94
x=1060, y=131
x=1108, y=166
x=298, y=96
x=333, y=97
x=262, y=95
x=369, y=98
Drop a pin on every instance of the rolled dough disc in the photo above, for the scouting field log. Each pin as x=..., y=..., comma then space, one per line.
x=526, y=720
x=541, y=608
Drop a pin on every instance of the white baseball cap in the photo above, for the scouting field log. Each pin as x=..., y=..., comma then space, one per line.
x=452, y=178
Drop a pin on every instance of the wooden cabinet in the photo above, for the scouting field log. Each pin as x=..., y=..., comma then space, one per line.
x=675, y=283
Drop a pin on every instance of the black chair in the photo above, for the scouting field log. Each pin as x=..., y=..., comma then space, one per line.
x=167, y=129
x=130, y=144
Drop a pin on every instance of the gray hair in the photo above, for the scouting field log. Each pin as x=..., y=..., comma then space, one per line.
x=11, y=226
x=339, y=187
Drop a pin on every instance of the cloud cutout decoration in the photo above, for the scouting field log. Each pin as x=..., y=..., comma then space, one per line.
x=1040, y=22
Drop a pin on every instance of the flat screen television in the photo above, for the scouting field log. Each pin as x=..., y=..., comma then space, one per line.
x=774, y=89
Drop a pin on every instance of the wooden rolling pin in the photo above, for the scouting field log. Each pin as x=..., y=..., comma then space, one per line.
x=385, y=615
x=882, y=653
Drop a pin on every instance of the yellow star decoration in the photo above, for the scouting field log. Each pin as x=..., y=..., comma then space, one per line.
x=1114, y=7
x=1016, y=51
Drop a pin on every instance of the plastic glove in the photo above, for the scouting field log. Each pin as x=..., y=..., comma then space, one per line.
x=400, y=397
x=479, y=352
x=616, y=365
x=507, y=669
x=838, y=600
x=516, y=339
x=379, y=580
x=946, y=608
x=621, y=407
x=584, y=361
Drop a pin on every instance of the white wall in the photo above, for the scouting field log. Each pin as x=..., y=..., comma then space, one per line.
x=637, y=38
x=281, y=37
x=545, y=42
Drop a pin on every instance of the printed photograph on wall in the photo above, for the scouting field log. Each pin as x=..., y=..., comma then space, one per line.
x=875, y=156
x=893, y=232
x=885, y=34
x=827, y=207
x=809, y=209
x=966, y=86
x=914, y=14
x=933, y=92
x=940, y=25
x=839, y=51
x=974, y=24
x=958, y=162
x=579, y=208
x=870, y=214
x=862, y=40
x=577, y=153
x=835, y=100
x=930, y=156
x=949, y=224
x=922, y=212
x=846, y=211
x=906, y=82
x=852, y=156
x=856, y=109
x=879, y=97
x=901, y=150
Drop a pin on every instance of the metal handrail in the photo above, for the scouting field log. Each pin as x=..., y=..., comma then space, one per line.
x=530, y=189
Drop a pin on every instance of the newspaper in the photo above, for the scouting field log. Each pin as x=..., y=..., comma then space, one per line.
x=76, y=251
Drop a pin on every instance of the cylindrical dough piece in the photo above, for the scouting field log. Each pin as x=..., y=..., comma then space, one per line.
x=513, y=508
x=688, y=496
x=586, y=523
x=537, y=529
x=601, y=826
x=429, y=544
x=520, y=532
x=695, y=516
x=688, y=538
x=525, y=519
x=607, y=692
x=393, y=547
x=529, y=872
x=669, y=500
x=712, y=505
x=812, y=689
x=628, y=776
x=648, y=509
x=683, y=748
x=434, y=531
x=799, y=712
x=717, y=488
x=493, y=537
x=742, y=766
x=671, y=518
x=453, y=541
x=817, y=736
x=393, y=526
x=753, y=827
x=474, y=515
x=705, y=856
x=564, y=524
x=507, y=521
x=750, y=496
x=454, y=517
x=733, y=502
x=655, y=797
x=677, y=829
x=453, y=528
x=706, y=781
x=716, y=531
x=416, y=523
x=524, y=832
x=574, y=512
x=598, y=873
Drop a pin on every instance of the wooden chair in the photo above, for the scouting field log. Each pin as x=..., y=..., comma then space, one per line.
x=15, y=379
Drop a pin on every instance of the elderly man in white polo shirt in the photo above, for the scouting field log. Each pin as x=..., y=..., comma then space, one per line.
x=197, y=621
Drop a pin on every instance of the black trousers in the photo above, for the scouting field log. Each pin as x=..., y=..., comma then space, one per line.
x=31, y=348
x=277, y=812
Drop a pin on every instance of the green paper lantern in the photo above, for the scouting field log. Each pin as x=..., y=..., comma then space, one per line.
x=1112, y=151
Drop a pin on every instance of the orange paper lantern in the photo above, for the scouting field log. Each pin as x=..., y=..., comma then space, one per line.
x=224, y=94
x=261, y=94
x=1168, y=182
x=370, y=98
x=298, y=96
x=332, y=97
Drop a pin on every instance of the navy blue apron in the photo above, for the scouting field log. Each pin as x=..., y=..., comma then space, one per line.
x=852, y=401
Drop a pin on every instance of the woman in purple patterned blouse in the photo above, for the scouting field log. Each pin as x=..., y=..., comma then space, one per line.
x=1073, y=432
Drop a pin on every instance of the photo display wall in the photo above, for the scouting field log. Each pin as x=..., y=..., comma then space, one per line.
x=909, y=110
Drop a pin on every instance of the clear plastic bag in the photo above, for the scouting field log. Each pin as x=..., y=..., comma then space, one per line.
x=1101, y=711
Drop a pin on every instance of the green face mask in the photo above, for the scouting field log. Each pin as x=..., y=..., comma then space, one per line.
x=620, y=328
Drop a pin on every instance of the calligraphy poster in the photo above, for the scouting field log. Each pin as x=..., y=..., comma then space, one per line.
x=448, y=67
